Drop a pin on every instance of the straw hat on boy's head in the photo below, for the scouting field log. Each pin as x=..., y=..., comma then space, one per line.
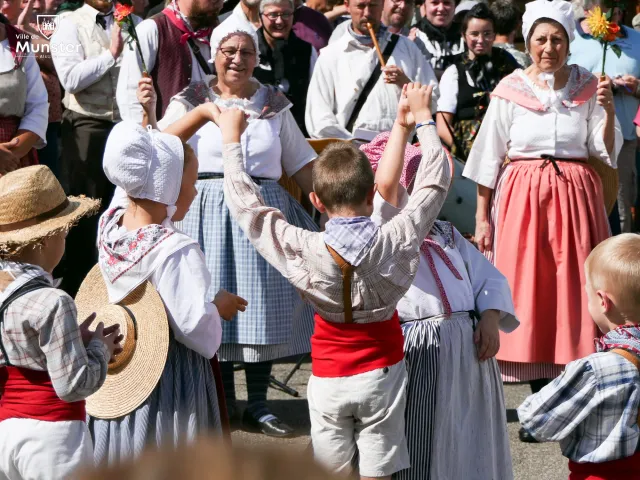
x=33, y=206
x=143, y=321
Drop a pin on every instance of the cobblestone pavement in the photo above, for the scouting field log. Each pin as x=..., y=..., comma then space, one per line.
x=530, y=461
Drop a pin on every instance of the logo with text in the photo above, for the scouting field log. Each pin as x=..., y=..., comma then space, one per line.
x=47, y=25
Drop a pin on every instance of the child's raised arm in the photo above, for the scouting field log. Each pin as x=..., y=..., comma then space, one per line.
x=392, y=162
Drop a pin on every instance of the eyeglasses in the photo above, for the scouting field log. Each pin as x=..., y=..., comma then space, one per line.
x=274, y=15
x=232, y=52
x=484, y=35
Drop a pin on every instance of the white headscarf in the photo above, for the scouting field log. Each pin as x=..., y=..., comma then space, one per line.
x=558, y=10
x=145, y=163
x=228, y=29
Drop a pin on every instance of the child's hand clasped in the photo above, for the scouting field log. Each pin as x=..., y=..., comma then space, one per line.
x=233, y=123
x=110, y=336
x=419, y=99
x=487, y=336
x=228, y=304
x=404, y=117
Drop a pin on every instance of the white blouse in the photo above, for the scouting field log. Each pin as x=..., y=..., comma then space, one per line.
x=482, y=286
x=35, y=116
x=268, y=146
x=511, y=130
x=448, y=101
x=183, y=281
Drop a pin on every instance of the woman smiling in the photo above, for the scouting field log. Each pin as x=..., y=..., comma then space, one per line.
x=539, y=216
x=277, y=323
x=466, y=85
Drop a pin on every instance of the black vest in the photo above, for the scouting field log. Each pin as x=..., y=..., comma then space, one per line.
x=290, y=68
x=474, y=101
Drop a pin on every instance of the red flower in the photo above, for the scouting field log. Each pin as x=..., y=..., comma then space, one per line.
x=613, y=33
x=122, y=12
x=133, y=246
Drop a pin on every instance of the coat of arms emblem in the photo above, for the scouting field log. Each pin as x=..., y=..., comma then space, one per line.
x=47, y=25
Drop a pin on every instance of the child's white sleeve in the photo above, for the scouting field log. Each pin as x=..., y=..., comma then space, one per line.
x=183, y=283
x=490, y=288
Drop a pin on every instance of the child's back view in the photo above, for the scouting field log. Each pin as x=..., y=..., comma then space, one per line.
x=592, y=408
x=353, y=274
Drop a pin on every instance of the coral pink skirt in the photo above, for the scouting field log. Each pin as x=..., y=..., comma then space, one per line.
x=545, y=225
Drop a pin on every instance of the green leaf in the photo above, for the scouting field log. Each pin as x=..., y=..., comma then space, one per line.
x=616, y=49
x=609, y=14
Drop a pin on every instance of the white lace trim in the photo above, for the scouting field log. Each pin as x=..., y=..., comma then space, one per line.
x=253, y=105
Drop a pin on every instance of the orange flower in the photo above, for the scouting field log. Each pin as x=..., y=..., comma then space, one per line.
x=122, y=12
x=613, y=32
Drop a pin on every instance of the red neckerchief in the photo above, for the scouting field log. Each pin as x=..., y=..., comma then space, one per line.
x=12, y=36
x=201, y=35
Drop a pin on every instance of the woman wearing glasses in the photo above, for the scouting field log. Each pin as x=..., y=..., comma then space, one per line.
x=286, y=61
x=276, y=323
x=466, y=86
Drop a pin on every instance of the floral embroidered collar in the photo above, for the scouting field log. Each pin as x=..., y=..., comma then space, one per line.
x=581, y=87
x=200, y=92
x=128, y=258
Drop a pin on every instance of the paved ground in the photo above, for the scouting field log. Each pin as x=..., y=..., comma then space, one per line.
x=530, y=462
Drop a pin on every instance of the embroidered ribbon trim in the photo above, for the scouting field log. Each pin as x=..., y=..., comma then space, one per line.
x=426, y=247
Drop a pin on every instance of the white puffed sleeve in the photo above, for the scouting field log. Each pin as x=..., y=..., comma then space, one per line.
x=296, y=151
x=448, y=102
x=183, y=283
x=491, y=145
x=36, y=108
x=595, y=141
x=490, y=288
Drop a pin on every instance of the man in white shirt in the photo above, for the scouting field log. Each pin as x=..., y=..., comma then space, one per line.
x=86, y=49
x=345, y=94
x=179, y=35
x=246, y=13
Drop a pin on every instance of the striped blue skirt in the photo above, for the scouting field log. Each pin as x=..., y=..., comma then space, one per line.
x=182, y=407
x=456, y=424
x=277, y=322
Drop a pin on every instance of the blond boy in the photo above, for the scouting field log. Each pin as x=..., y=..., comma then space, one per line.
x=592, y=408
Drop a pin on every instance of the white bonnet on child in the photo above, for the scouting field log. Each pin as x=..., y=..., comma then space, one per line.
x=558, y=10
x=145, y=163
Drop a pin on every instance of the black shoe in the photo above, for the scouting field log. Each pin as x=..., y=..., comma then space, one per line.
x=526, y=437
x=271, y=428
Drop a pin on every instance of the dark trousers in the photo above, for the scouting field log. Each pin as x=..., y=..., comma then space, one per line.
x=50, y=154
x=83, y=142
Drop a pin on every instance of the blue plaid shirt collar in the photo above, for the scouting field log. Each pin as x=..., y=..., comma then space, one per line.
x=350, y=237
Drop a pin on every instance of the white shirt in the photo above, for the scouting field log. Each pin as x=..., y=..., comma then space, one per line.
x=131, y=69
x=448, y=101
x=183, y=284
x=239, y=18
x=268, y=146
x=342, y=71
x=36, y=107
x=517, y=132
x=340, y=30
x=75, y=71
x=482, y=286
x=183, y=281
